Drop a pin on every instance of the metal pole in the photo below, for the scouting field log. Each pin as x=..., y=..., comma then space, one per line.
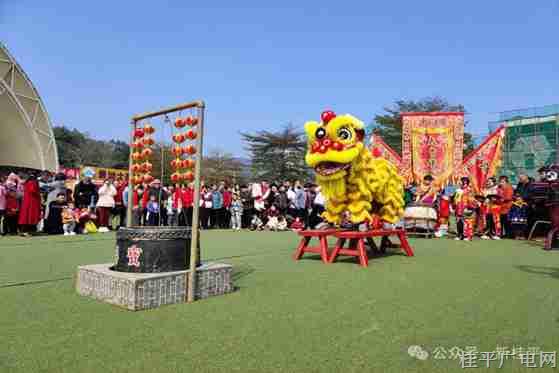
x=194, y=244
x=130, y=184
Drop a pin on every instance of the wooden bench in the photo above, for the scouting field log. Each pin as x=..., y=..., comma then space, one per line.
x=322, y=248
x=356, y=243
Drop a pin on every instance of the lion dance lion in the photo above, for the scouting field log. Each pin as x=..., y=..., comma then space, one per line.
x=351, y=179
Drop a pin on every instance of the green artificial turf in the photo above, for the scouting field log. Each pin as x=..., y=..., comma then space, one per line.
x=286, y=316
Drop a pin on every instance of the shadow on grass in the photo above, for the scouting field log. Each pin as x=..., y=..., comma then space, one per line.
x=546, y=271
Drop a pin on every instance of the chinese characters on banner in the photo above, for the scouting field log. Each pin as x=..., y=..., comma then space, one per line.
x=432, y=144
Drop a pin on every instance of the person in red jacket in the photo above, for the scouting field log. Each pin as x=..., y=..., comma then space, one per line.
x=186, y=204
x=227, y=200
x=30, y=212
x=119, y=208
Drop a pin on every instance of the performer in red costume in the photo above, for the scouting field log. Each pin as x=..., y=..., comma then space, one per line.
x=443, y=215
x=464, y=205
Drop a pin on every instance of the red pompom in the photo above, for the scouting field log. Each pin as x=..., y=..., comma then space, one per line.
x=327, y=116
x=139, y=132
x=377, y=153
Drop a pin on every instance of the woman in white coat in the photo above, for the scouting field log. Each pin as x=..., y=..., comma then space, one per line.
x=105, y=204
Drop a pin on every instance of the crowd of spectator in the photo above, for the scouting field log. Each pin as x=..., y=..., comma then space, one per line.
x=43, y=203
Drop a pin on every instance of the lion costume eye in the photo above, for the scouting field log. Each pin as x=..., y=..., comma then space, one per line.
x=344, y=133
x=320, y=133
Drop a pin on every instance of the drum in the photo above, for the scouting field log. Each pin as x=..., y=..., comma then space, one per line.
x=420, y=217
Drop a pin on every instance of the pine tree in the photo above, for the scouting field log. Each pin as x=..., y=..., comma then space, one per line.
x=277, y=156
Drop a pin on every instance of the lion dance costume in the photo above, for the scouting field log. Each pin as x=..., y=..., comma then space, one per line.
x=350, y=178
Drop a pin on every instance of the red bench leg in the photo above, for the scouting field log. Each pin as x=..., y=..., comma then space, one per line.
x=301, y=248
x=324, y=249
x=405, y=245
x=339, y=245
x=363, y=259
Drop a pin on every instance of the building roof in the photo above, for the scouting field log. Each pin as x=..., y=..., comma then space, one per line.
x=26, y=138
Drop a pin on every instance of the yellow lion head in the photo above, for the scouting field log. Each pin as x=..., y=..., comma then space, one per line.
x=333, y=144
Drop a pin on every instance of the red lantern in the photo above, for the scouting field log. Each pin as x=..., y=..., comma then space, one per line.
x=188, y=163
x=188, y=176
x=178, y=138
x=180, y=123
x=176, y=163
x=193, y=121
x=190, y=149
x=176, y=177
x=148, y=141
x=137, y=156
x=137, y=145
x=177, y=151
x=147, y=167
x=147, y=178
x=136, y=168
x=191, y=134
x=138, y=133
x=137, y=179
x=148, y=128
x=146, y=153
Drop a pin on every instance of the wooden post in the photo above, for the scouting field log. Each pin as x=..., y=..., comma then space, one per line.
x=194, y=244
x=129, y=209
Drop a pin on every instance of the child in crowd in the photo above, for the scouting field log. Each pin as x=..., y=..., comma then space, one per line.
x=153, y=211
x=69, y=220
x=272, y=215
x=236, y=212
x=297, y=225
x=282, y=223
x=518, y=216
x=256, y=223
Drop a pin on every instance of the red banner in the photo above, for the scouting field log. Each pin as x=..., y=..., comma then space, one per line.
x=381, y=149
x=432, y=144
x=484, y=161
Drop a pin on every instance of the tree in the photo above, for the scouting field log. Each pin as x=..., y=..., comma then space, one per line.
x=277, y=156
x=77, y=149
x=69, y=144
x=388, y=125
x=219, y=166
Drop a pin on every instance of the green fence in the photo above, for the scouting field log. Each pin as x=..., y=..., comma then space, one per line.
x=527, y=147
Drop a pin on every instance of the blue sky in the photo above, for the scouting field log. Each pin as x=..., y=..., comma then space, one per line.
x=258, y=67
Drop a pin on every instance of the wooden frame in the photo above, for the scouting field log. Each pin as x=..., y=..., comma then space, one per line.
x=200, y=105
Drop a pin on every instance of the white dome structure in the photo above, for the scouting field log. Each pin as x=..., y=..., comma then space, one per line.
x=26, y=137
